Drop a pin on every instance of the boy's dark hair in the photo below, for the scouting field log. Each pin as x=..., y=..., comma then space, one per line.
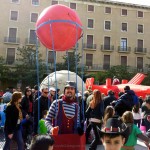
x=44, y=113
x=41, y=142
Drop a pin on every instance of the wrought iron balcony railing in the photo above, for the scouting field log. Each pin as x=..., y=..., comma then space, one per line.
x=12, y=40
x=124, y=49
x=107, y=47
x=89, y=46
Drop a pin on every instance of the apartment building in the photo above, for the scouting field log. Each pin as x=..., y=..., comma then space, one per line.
x=115, y=33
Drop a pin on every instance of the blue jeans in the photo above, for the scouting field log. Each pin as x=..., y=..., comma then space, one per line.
x=18, y=136
x=3, y=118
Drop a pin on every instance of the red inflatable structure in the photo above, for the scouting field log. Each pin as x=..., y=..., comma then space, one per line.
x=58, y=27
x=134, y=84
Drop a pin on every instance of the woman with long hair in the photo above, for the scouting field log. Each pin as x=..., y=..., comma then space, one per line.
x=12, y=126
x=95, y=114
x=108, y=113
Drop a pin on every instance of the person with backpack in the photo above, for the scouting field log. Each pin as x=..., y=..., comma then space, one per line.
x=126, y=101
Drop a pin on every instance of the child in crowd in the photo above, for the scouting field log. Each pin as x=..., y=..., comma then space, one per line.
x=44, y=142
x=135, y=132
x=114, y=134
x=2, y=113
x=42, y=127
x=137, y=114
x=108, y=113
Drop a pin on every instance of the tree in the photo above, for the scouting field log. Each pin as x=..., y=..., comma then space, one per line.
x=121, y=72
x=26, y=70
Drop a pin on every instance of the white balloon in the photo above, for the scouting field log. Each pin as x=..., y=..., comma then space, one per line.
x=61, y=77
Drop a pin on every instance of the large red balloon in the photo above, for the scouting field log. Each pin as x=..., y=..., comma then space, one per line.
x=58, y=27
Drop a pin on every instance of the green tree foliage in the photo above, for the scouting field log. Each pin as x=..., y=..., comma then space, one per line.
x=121, y=72
x=26, y=66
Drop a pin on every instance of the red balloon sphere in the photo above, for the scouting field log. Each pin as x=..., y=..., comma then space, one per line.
x=58, y=27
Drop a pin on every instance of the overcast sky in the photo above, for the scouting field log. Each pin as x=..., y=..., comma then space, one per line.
x=141, y=2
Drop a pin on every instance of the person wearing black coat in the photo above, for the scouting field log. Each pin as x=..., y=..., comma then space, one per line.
x=12, y=126
x=42, y=101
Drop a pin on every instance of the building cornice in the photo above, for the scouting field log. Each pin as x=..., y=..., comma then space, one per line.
x=117, y=3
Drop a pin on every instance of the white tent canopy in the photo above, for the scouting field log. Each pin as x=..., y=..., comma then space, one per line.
x=61, y=78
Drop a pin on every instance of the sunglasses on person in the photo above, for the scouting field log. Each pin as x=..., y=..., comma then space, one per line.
x=45, y=92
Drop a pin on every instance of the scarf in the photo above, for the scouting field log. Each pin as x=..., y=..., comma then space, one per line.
x=68, y=100
x=20, y=112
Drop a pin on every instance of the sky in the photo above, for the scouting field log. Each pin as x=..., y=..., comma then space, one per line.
x=140, y=2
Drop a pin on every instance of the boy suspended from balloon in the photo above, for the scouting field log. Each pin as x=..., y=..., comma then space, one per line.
x=63, y=116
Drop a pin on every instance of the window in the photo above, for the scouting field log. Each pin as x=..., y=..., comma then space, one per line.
x=124, y=27
x=15, y=1
x=89, y=59
x=108, y=10
x=140, y=28
x=140, y=63
x=54, y=2
x=140, y=45
x=35, y=2
x=73, y=6
x=32, y=39
x=90, y=8
x=106, y=63
x=34, y=17
x=140, y=14
x=51, y=57
x=14, y=15
x=123, y=44
x=107, y=25
x=124, y=60
x=124, y=12
x=89, y=41
x=90, y=23
x=106, y=43
x=12, y=35
x=10, y=56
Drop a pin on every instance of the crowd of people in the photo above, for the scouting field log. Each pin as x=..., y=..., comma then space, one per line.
x=36, y=116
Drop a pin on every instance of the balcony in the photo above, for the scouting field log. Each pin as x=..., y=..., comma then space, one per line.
x=108, y=48
x=89, y=46
x=139, y=50
x=124, y=49
x=12, y=40
x=31, y=41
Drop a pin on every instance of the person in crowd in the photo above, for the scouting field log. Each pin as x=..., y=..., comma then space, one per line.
x=44, y=142
x=36, y=93
x=108, y=113
x=135, y=132
x=42, y=102
x=95, y=113
x=12, y=126
x=114, y=134
x=7, y=96
x=125, y=102
x=42, y=127
x=109, y=99
x=146, y=113
x=52, y=95
x=115, y=81
x=2, y=113
x=68, y=108
x=27, y=108
x=57, y=94
x=141, y=100
x=137, y=114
